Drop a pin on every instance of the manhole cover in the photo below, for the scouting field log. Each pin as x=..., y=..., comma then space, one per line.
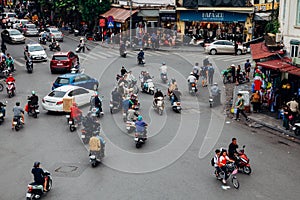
x=66, y=169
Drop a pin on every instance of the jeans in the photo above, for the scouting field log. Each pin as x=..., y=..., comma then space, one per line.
x=286, y=123
x=242, y=112
x=2, y=110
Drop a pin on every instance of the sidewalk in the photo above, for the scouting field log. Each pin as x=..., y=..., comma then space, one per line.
x=267, y=119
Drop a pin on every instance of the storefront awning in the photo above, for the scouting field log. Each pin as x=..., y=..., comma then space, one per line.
x=148, y=13
x=283, y=65
x=295, y=71
x=119, y=14
x=260, y=51
x=212, y=16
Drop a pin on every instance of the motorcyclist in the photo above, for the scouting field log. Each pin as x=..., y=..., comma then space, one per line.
x=10, y=62
x=33, y=101
x=130, y=79
x=39, y=175
x=116, y=96
x=90, y=122
x=81, y=45
x=77, y=66
x=140, y=126
x=97, y=145
x=192, y=79
x=141, y=56
x=232, y=149
x=96, y=102
x=172, y=86
x=18, y=113
x=163, y=69
x=216, y=93
x=2, y=108
x=157, y=94
x=10, y=78
x=43, y=35
x=122, y=48
x=54, y=43
x=75, y=113
x=196, y=70
x=175, y=96
x=223, y=159
x=132, y=114
x=216, y=161
x=123, y=71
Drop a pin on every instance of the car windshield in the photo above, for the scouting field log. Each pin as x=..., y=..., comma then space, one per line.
x=60, y=58
x=31, y=26
x=35, y=48
x=54, y=30
x=62, y=80
x=15, y=32
x=11, y=15
x=57, y=94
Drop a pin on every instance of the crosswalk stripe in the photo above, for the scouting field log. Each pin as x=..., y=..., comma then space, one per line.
x=103, y=54
x=115, y=53
x=98, y=55
x=81, y=57
x=91, y=57
x=18, y=63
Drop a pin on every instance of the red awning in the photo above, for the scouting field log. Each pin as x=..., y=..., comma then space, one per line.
x=295, y=72
x=281, y=65
x=260, y=50
x=119, y=14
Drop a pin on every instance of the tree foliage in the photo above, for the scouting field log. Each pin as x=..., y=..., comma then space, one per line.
x=90, y=9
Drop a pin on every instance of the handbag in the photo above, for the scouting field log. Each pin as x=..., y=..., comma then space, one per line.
x=291, y=117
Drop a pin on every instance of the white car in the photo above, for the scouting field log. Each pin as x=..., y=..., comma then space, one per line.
x=35, y=52
x=55, y=33
x=223, y=46
x=54, y=100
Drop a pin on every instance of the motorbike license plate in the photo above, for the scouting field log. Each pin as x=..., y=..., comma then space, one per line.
x=82, y=136
x=127, y=127
x=28, y=195
x=136, y=139
x=70, y=122
x=14, y=123
x=37, y=111
x=1, y=114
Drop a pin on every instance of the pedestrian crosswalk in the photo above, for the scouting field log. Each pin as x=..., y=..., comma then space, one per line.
x=230, y=58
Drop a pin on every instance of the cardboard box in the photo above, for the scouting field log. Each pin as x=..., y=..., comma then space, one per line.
x=67, y=103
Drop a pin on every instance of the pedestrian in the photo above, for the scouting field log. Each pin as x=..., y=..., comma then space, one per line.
x=256, y=101
x=238, y=74
x=233, y=75
x=3, y=47
x=196, y=70
x=286, y=115
x=203, y=74
x=247, y=68
x=205, y=61
x=211, y=71
x=294, y=108
x=240, y=107
x=235, y=48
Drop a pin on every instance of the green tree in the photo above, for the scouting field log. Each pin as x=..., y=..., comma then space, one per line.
x=91, y=9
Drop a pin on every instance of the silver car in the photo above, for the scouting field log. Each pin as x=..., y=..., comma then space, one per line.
x=223, y=46
x=30, y=30
x=54, y=33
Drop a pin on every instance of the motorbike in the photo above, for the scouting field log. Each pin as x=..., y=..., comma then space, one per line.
x=2, y=115
x=231, y=172
x=242, y=78
x=10, y=88
x=192, y=88
x=227, y=75
x=87, y=133
x=33, y=110
x=150, y=87
x=29, y=65
x=72, y=124
x=164, y=77
x=96, y=112
x=296, y=128
x=159, y=106
x=242, y=162
x=123, y=53
x=114, y=106
x=214, y=100
x=35, y=191
x=97, y=156
x=141, y=60
x=130, y=126
x=75, y=70
x=176, y=107
x=140, y=138
x=43, y=40
x=55, y=46
x=17, y=123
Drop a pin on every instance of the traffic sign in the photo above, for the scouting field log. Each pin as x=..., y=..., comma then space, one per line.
x=118, y=25
x=102, y=22
x=110, y=19
x=110, y=25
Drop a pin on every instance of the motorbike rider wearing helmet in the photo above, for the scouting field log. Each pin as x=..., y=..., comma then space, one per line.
x=90, y=122
x=54, y=43
x=232, y=149
x=133, y=100
x=75, y=112
x=18, y=113
x=141, y=54
x=216, y=93
x=39, y=175
x=96, y=102
x=222, y=163
x=172, y=86
x=33, y=101
x=140, y=125
x=97, y=145
x=116, y=96
x=192, y=79
x=10, y=62
x=123, y=71
x=196, y=70
x=2, y=108
x=10, y=78
x=175, y=96
x=157, y=94
x=163, y=68
x=43, y=35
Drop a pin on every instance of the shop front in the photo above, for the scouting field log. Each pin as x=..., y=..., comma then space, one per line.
x=218, y=24
x=167, y=19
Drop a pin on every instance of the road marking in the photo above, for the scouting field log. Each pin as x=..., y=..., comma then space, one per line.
x=18, y=63
x=99, y=56
x=113, y=53
x=91, y=57
x=104, y=54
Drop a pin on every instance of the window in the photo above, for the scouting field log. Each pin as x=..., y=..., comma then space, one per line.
x=57, y=94
x=60, y=58
x=294, y=51
x=219, y=43
x=80, y=91
x=62, y=81
x=298, y=14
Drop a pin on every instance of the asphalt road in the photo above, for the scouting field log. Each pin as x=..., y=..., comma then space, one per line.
x=173, y=164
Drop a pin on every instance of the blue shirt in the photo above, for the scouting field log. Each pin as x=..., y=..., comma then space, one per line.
x=140, y=126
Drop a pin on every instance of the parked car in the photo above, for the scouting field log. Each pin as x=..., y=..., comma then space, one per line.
x=30, y=30
x=63, y=61
x=81, y=80
x=223, y=46
x=35, y=52
x=11, y=16
x=54, y=33
x=12, y=36
x=54, y=100
x=20, y=23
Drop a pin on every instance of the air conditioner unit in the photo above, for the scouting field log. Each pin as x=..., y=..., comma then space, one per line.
x=296, y=61
x=278, y=37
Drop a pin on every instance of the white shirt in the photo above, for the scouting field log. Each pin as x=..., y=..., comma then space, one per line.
x=163, y=69
x=191, y=79
x=216, y=161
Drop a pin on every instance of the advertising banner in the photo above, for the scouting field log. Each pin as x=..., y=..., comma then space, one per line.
x=214, y=3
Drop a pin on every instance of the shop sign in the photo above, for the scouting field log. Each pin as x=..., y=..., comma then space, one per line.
x=102, y=22
x=218, y=16
x=211, y=16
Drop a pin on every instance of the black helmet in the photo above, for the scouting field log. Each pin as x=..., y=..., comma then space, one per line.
x=36, y=164
x=17, y=103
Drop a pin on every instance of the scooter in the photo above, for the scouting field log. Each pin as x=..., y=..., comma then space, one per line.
x=192, y=89
x=164, y=77
x=150, y=87
x=33, y=110
x=37, y=191
x=10, y=88
x=176, y=106
x=42, y=40
x=96, y=112
x=72, y=124
x=242, y=78
x=140, y=138
x=114, y=106
x=97, y=156
x=296, y=128
x=159, y=106
x=55, y=46
x=123, y=53
x=242, y=162
x=29, y=65
x=214, y=100
x=231, y=171
x=17, y=123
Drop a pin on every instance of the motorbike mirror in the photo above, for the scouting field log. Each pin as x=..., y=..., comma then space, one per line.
x=244, y=146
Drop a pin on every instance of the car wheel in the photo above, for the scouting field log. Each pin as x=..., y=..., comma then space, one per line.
x=95, y=87
x=239, y=52
x=213, y=52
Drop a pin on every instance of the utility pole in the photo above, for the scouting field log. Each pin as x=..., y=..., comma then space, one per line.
x=130, y=25
x=273, y=5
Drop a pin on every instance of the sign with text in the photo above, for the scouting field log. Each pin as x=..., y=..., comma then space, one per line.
x=102, y=22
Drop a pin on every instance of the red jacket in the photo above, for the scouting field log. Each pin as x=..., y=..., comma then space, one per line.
x=75, y=112
x=10, y=79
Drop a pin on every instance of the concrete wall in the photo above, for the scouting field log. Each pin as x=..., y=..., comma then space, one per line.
x=287, y=17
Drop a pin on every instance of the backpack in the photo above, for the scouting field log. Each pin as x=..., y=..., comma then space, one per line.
x=212, y=161
x=211, y=70
x=256, y=96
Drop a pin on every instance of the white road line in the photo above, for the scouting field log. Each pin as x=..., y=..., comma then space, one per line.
x=81, y=57
x=113, y=53
x=91, y=57
x=97, y=55
x=104, y=54
x=152, y=53
x=18, y=63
